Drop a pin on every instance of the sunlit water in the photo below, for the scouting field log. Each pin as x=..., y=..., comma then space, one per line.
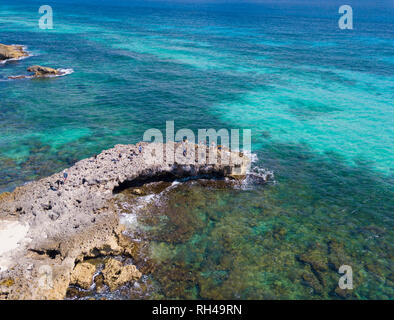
x=319, y=101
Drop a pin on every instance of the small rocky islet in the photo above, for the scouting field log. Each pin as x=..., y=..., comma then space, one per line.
x=17, y=52
x=40, y=72
x=69, y=233
x=12, y=52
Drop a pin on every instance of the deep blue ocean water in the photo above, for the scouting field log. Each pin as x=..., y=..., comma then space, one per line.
x=319, y=101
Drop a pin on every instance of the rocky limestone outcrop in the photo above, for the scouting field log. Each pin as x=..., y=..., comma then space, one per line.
x=40, y=71
x=116, y=274
x=82, y=275
x=70, y=215
x=12, y=52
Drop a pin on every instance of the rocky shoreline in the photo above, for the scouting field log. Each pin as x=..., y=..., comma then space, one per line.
x=68, y=218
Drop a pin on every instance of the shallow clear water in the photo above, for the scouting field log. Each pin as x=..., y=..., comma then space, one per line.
x=319, y=101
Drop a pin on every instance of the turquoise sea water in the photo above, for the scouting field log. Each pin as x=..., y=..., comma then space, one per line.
x=319, y=101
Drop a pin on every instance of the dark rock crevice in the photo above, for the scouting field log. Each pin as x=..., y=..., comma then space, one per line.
x=162, y=177
x=65, y=225
x=51, y=253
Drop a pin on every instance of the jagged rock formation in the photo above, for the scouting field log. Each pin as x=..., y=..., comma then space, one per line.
x=82, y=275
x=40, y=72
x=67, y=217
x=115, y=274
x=12, y=52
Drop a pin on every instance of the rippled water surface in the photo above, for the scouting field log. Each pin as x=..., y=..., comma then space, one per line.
x=319, y=101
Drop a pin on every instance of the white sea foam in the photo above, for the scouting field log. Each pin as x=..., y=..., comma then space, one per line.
x=130, y=219
x=256, y=174
x=13, y=59
x=65, y=72
x=139, y=203
x=173, y=185
x=253, y=157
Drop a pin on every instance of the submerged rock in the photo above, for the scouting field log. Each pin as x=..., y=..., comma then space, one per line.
x=12, y=52
x=71, y=215
x=99, y=282
x=279, y=233
x=310, y=280
x=337, y=255
x=75, y=293
x=17, y=77
x=315, y=258
x=137, y=192
x=344, y=294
